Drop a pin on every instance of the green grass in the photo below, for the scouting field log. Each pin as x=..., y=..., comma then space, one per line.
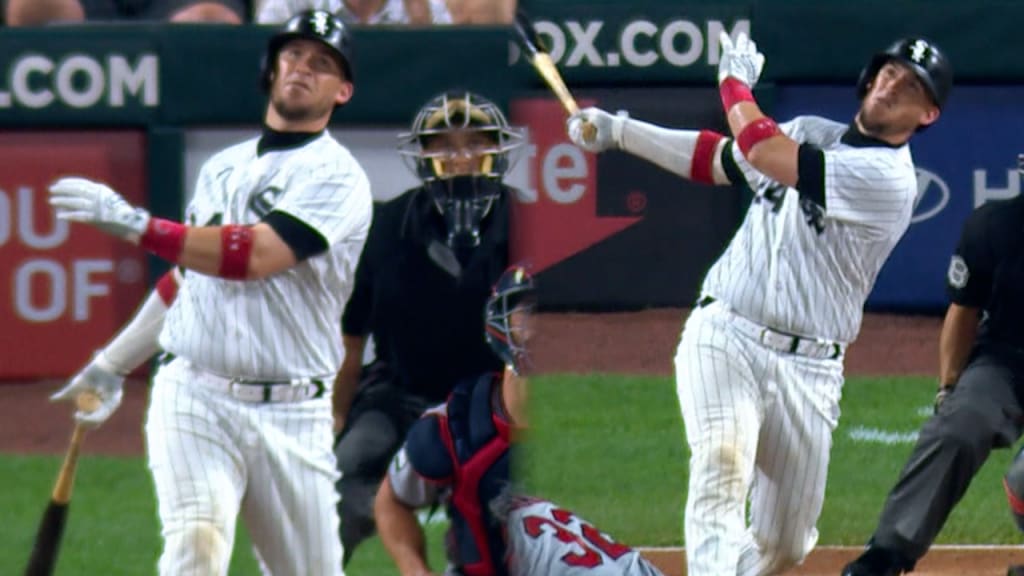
x=610, y=448
x=112, y=526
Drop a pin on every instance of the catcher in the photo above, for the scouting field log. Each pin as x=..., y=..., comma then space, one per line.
x=458, y=454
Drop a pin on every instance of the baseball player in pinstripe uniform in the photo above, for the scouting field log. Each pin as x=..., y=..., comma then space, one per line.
x=759, y=369
x=240, y=417
x=458, y=454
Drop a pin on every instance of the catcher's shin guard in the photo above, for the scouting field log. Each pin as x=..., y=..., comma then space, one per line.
x=1013, y=483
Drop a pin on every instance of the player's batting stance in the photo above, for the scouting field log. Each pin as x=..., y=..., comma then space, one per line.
x=759, y=369
x=459, y=454
x=240, y=418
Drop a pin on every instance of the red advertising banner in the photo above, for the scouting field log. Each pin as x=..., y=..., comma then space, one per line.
x=556, y=216
x=66, y=288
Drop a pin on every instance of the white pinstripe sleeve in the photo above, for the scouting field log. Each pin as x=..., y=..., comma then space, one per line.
x=868, y=186
x=336, y=203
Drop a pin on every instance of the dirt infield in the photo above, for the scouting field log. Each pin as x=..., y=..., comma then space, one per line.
x=627, y=343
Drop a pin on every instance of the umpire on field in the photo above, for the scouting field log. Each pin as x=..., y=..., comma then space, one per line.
x=430, y=260
x=980, y=402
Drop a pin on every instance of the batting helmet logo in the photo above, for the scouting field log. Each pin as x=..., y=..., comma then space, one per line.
x=316, y=25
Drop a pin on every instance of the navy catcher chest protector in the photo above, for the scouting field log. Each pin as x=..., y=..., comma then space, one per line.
x=477, y=442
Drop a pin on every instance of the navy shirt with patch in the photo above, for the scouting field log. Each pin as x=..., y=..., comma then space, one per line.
x=987, y=270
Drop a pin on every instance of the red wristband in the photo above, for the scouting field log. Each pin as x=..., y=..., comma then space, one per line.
x=704, y=157
x=733, y=92
x=167, y=287
x=235, y=247
x=756, y=131
x=165, y=238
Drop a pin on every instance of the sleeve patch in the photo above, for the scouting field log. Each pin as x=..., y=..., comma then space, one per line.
x=958, y=273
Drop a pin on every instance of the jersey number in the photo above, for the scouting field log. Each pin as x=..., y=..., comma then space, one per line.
x=814, y=214
x=592, y=542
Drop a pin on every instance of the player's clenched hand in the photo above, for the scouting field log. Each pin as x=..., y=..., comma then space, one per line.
x=941, y=396
x=608, y=129
x=82, y=200
x=99, y=378
x=741, y=60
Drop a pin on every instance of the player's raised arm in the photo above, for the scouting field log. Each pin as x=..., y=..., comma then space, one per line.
x=692, y=154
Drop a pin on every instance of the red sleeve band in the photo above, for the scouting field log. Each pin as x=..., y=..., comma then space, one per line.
x=733, y=92
x=755, y=132
x=235, y=248
x=167, y=287
x=165, y=238
x=704, y=157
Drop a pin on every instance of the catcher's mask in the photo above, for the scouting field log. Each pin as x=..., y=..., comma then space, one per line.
x=507, y=316
x=459, y=146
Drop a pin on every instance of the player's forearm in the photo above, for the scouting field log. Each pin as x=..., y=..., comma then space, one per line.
x=400, y=532
x=959, y=331
x=138, y=340
x=764, y=146
x=688, y=153
x=347, y=380
x=234, y=252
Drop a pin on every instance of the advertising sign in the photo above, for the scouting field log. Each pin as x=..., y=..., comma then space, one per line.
x=66, y=287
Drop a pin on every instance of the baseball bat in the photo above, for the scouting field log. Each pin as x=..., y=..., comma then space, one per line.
x=537, y=53
x=51, y=527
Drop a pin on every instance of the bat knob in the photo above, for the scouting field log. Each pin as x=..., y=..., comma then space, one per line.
x=589, y=132
x=88, y=401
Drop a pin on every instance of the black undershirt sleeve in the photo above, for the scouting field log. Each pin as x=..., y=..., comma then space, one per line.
x=299, y=236
x=810, y=181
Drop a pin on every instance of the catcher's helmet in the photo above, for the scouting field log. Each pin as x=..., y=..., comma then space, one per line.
x=923, y=57
x=512, y=293
x=317, y=25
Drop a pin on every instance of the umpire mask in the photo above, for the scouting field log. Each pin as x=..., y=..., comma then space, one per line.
x=459, y=147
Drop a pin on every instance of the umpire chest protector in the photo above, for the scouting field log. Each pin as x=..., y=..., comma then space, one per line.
x=475, y=436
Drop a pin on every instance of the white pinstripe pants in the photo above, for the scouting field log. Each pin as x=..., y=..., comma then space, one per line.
x=212, y=456
x=759, y=424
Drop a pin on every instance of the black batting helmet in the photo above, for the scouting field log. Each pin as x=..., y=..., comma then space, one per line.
x=317, y=25
x=923, y=57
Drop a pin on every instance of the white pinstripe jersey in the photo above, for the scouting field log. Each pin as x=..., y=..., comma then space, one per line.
x=797, y=268
x=286, y=325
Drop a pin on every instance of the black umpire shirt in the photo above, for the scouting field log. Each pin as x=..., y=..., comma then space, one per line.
x=987, y=271
x=423, y=305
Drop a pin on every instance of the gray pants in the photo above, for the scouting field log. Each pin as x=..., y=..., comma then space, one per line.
x=375, y=428
x=983, y=412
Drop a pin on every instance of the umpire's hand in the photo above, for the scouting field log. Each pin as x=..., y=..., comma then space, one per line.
x=100, y=378
x=941, y=395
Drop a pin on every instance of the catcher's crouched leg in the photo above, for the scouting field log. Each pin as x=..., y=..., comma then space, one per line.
x=364, y=451
x=1013, y=483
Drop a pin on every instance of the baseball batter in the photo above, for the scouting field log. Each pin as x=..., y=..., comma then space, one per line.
x=759, y=369
x=458, y=454
x=240, y=412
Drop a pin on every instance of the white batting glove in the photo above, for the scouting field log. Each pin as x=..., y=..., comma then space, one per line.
x=82, y=200
x=99, y=377
x=608, y=134
x=741, y=61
